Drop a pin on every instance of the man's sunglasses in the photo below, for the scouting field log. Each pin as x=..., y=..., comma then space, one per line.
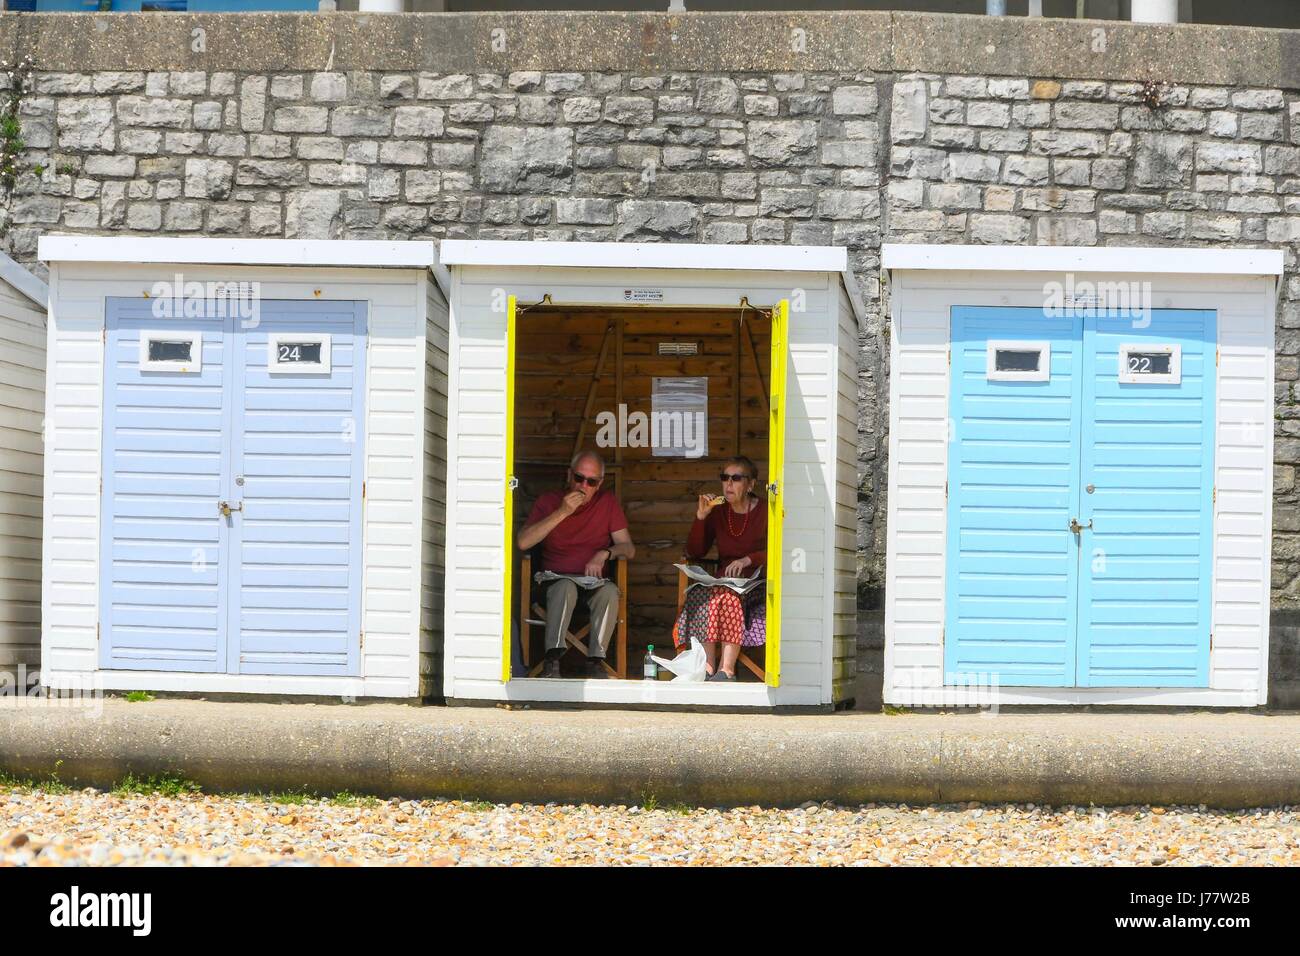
x=726, y=477
x=592, y=482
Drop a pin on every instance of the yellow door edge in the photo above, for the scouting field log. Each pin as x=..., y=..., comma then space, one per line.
x=508, y=492
x=776, y=489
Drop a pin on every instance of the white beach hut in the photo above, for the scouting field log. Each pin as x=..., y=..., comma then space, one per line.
x=1080, y=475
x=22, y=408
x=244, y=467
x=552, y=342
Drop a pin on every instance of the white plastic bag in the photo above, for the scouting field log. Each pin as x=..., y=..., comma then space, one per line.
x=688, y=665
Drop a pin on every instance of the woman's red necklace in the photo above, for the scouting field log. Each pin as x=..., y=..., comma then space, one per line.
x=745, y=524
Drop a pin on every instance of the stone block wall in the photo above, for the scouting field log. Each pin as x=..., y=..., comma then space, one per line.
x=1039, y=161
x=791, y=158
x=613, y=143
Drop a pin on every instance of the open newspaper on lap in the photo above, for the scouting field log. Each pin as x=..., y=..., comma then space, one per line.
x=699, y=576
x=587, y=581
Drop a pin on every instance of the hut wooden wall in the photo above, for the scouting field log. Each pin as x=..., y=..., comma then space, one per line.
x=556, y=359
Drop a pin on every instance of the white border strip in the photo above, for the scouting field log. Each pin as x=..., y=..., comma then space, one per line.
x=260, y=252
x=1253, y=262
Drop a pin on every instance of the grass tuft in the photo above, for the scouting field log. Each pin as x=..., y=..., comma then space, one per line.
x=163, y=784
x=345, y=798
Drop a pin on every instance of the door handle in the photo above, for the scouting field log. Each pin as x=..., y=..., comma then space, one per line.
x=226, y=508
x=1076, y=527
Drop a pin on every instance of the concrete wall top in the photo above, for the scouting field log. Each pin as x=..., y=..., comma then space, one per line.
x=767, y=42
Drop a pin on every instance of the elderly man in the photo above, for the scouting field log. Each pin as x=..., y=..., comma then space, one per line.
x=580, y=529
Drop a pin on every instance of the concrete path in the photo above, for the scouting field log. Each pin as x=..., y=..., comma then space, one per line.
x=609, y=756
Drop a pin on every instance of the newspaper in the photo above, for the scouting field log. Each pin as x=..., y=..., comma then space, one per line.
x=699, y=576
x=587, y=581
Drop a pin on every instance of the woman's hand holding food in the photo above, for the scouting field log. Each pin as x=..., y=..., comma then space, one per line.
x=707, y=504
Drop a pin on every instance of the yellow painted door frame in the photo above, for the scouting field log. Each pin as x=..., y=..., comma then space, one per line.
x=775, y=490
x=509, y=494
x=776, y=487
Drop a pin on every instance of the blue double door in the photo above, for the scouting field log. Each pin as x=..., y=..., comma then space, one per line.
x=1080, y=498
x=232, y=488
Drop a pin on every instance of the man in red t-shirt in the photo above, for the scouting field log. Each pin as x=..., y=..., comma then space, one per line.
x=579, y=530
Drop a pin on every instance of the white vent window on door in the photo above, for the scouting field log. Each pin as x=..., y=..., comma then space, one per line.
x=1012, y=361
x=297, y=354
x=171, y=352
x=1151, y=364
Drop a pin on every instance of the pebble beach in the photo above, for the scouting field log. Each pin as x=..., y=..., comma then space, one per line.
x=40, y=827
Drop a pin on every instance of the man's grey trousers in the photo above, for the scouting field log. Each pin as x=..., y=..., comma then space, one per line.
x=602, y=602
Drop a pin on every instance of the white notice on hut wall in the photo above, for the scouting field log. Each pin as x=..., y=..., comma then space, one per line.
x=643, y=295
x=679, y=417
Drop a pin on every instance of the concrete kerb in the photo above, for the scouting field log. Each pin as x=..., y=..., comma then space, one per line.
x=802, y=41
x=619, y=757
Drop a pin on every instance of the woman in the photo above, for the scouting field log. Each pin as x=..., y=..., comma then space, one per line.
x=718, y=616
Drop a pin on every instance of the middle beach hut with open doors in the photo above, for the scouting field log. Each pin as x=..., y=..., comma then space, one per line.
x=560, y=347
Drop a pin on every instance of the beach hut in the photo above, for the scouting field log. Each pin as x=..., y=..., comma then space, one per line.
x=22, y=408
x=244, y=467
x=556, y=347
x=1080, y=475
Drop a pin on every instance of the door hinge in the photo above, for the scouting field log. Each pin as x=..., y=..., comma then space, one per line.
x=1211, y=642
x=950, y=358
x=1216, y=357
x=363, y=639
x=945, y=491
x=363, y=491
x=1214, y=493
x=96, y=632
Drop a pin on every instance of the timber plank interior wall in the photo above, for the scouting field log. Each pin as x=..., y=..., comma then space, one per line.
x=557, y=352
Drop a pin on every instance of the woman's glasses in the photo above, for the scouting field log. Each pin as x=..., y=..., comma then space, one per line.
x=591, y=482
x=726, y=477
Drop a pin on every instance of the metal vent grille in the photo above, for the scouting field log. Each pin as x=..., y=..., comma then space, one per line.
x=679, y=348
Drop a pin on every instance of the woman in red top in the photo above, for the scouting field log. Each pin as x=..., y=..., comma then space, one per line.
x=737, y=524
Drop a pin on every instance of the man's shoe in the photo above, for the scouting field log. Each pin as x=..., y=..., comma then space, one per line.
x=595, y=669
x=551, y=668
